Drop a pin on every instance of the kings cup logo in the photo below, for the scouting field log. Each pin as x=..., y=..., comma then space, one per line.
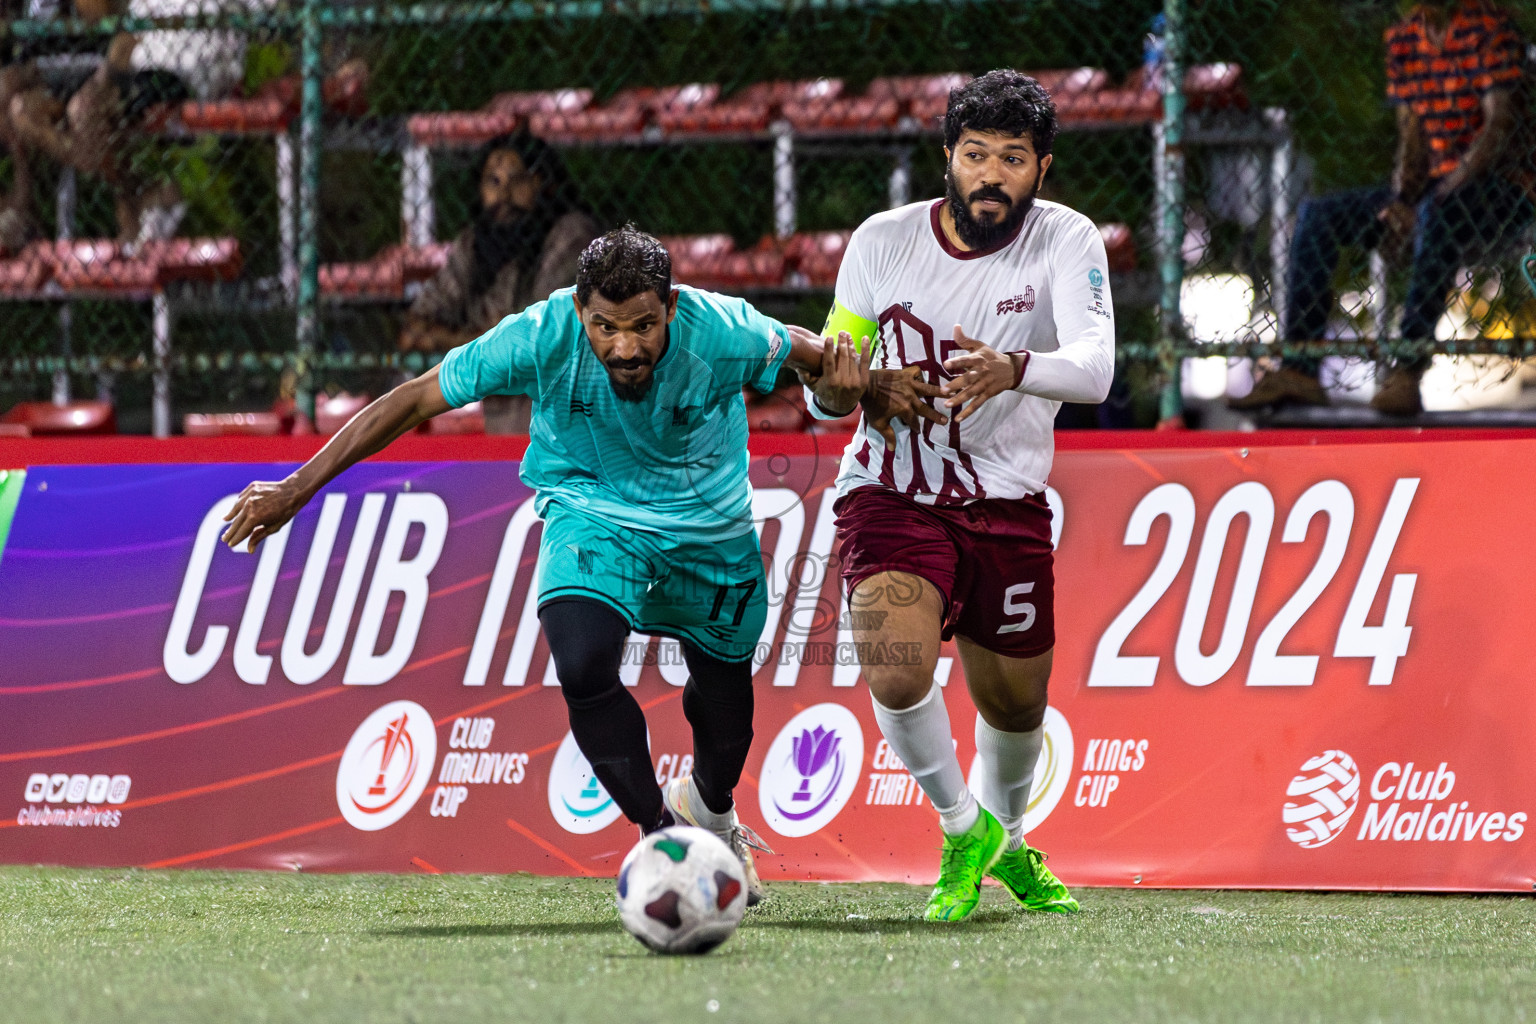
x=386, y=766
x=811, y=770
x=1322, y=798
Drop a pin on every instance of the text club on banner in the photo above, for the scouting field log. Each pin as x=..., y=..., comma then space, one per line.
x=1287, y=667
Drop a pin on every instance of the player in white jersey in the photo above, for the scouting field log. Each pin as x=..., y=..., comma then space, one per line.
x=1002, y=301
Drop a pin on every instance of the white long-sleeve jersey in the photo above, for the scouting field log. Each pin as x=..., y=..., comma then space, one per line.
x=1044, y=291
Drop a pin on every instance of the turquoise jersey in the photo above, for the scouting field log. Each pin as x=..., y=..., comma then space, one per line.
x=674, y=462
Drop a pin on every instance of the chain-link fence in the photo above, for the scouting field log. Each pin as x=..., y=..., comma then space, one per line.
x=217, y=203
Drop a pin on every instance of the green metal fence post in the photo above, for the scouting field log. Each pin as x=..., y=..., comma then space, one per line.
x=307, y=326
x=1170, y=228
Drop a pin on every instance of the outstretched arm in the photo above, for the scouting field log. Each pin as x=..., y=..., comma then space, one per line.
x=264, y=507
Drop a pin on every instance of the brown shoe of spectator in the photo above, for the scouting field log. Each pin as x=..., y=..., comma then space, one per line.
x=1280, y=388
x=1399, y=394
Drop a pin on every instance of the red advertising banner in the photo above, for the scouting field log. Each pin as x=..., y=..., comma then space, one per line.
x=1280, y=666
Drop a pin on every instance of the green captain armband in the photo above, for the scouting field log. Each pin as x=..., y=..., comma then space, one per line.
x=858, y=328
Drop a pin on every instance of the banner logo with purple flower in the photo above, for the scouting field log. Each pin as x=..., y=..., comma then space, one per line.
x=811, y=770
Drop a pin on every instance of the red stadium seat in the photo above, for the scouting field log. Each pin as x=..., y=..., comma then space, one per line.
x=381, y=278
x=623, y=116
x=469, y=419
x=384, y=277
x=828, y=109
x=27, y=272
x=259, y=115
x=101, y=264
x=526, y=104
x=815, y=256
x=83, y=252
x=686, y=249
x=460, y=127
x=749, y=110
x=273, y=107
x=1083, y=95
x=14, y=430
x=231, y=424
x=685, y=102
x=1071, y=81
x=1120, y=247
x=131, y=276
x=505, y=113
x=44, y=418
x=924, y=97
x=602, y=123
x=781, y=411
x=422, y=262
x=1216, y=87
x=697, y=258
x=194, y=259
x=712, y=261
x=1206, y=87
x=331, y=414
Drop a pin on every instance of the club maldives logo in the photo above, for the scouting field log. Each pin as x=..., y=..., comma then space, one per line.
x=577, y=800
x=1053, y=769
x=386, y=766
x=1321, y=799
x=811, y=770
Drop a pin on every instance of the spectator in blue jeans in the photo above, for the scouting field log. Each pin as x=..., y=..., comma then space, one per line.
x=1453, y=69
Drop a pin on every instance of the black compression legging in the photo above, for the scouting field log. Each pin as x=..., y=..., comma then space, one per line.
x=586, y=639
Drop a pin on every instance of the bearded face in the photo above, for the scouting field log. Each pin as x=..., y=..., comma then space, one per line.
x=991, y=183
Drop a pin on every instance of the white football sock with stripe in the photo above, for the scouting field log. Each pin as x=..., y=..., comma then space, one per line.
x=921, y=737
x=1006, y=766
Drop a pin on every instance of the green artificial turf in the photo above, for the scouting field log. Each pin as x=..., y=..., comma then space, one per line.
x=214, y=946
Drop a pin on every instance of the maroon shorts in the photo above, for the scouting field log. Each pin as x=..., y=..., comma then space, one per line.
x=990, y=560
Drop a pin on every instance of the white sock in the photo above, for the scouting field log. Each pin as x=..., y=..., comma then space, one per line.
x=920, y=736
x=708, y=819
x=1007, y=771
x=961, y=816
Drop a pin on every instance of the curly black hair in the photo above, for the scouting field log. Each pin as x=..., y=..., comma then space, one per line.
x=1004, y=101
x=622, y=264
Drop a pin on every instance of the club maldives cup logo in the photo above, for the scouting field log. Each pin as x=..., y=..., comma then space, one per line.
x=1053, y=769
x=811, y=770
x=386, y=766
x=1322, y=798
x=578, y=802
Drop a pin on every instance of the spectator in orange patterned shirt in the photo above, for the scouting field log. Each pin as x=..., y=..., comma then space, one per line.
x=1453, y=68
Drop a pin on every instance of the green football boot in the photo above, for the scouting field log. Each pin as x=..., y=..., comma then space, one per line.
x=1024, y=874
x=967, y=857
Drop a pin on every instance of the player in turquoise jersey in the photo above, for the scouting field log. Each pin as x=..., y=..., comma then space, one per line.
x=638, y=459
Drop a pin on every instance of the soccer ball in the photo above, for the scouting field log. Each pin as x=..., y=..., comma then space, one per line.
x=681, y=890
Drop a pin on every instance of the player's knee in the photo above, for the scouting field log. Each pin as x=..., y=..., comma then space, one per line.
x=1011, y=712
x=898, y=687
x=710, y=675
x=588, y=685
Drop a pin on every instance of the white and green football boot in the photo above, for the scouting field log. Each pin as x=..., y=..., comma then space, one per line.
x=1023, y=873
x=966, y=858
x=678, y=796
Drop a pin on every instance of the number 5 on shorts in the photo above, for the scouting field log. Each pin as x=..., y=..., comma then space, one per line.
x=1013, y=605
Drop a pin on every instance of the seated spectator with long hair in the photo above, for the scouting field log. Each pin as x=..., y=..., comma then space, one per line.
x=522, y=244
